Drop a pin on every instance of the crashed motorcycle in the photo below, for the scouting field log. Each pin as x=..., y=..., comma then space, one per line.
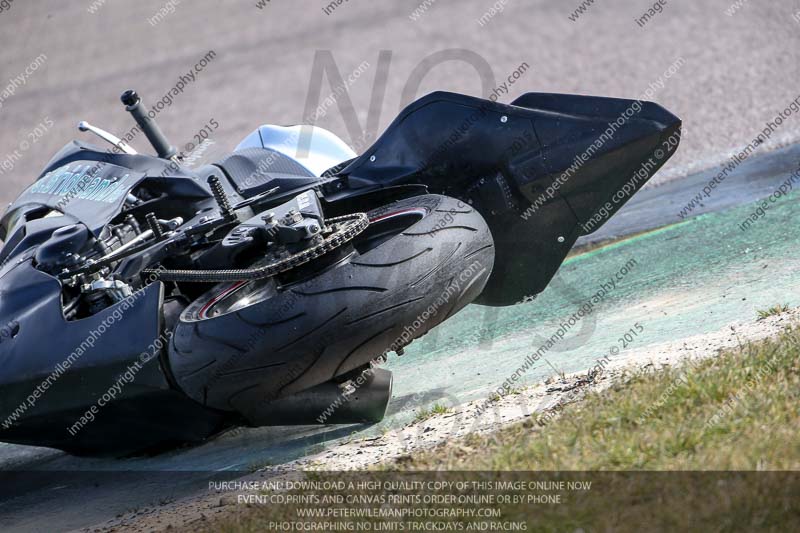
x=146, y=303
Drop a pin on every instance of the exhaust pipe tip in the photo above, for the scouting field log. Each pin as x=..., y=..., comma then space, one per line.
x=362, y=400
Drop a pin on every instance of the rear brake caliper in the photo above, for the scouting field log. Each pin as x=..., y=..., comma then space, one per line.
x=291, y=226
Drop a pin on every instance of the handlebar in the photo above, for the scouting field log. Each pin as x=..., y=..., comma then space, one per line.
x=133, y=104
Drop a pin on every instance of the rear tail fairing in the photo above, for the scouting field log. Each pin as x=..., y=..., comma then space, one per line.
x=542, y=171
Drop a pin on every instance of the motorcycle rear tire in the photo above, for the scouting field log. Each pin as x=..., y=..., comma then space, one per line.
x=421, y=260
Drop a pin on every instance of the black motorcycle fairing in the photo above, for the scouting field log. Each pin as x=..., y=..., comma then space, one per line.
x=595, y=166
x=509, y=162
x=86, y=191
x=92, y=355
x=78, y=150
x=30, y=233
x=172, y=180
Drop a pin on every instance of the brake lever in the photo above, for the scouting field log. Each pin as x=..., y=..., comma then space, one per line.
x=108, y=137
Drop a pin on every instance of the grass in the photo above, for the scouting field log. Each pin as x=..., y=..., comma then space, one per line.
x=772, y=311
x=739, y=411
x=425, y=414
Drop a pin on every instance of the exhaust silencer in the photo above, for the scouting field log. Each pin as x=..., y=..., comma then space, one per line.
x=358, y=401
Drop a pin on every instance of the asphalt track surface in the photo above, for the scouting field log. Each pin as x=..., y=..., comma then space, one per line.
x=690, y=277
x=737, y=71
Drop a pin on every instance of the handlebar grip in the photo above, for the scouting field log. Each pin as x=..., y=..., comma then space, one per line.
x=133, y=104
